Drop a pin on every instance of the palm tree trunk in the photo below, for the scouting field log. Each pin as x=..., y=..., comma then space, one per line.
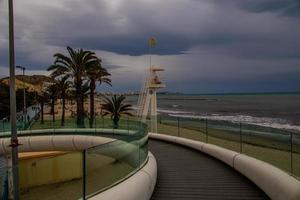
x=53, y=111
x=92, y=102
x=63, y=108
x=42, y=112
x=78, y=113
x=116, y=122
x=82, y=107
x=79, y=103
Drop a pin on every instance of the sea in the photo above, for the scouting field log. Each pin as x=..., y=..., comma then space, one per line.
x=277, y=110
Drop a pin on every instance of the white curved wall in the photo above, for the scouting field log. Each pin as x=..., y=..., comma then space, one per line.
x=75, y=130
x=273, y=181
x=118, y=149
x=139, y=186
x=277, y=184
x=54, y=142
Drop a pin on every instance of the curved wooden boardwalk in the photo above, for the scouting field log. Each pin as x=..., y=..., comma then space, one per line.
x=186, y=174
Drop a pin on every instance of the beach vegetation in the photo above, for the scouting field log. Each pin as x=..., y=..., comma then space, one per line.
x=95, y=74
x=74, y=65
x=64, y=85
x=115, y=107
x=53, y=93
x=42, y=99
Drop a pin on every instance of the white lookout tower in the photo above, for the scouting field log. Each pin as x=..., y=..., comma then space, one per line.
x=147, y=99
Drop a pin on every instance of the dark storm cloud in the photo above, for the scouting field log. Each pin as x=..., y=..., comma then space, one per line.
x=286, y=7
x=200, y=39
x=124, y=28
x=178, y=30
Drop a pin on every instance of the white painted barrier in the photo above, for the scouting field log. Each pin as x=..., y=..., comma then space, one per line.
x=139, y=186
x=274, y=182
x=225, y=155
x=74, y=130
x=54, y=142
x=277, y=184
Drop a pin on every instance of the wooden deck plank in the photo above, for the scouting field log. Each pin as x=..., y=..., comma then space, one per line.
x=187, y=174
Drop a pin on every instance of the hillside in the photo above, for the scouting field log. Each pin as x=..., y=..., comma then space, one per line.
x=32, y=83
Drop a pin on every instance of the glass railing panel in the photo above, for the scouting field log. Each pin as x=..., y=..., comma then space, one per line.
x=57, y=127
x=120, y=129
x=4, y=126
x=192, y=129
x=168, y=125
x=122, y=124
x=268, y=144
x=142, y=134
x=51, y=175
x=131, y=126
x=99, y=124
x=296, y=155
x=2, y=129
x=47, y=123
x=69, y=123
x=21, y=123
x=148, y=123
x=104, y=123
x=4, y=171
x=138, y=128
x=143, y=145
x=110, y=163
x=114, y=161
x=225, y=134
x=144, y=129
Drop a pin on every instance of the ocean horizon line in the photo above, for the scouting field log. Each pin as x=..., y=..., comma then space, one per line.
x=239, y=93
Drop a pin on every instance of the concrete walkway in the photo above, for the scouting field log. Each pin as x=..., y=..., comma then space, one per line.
x=186, y=174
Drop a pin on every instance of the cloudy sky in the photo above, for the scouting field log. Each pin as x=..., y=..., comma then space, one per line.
x=206, y=46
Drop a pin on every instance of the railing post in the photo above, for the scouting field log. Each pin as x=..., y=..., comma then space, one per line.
x=95, y=124
x=206, y=130
x=241, y=139
x=128, y=124
x=84, y=174
x=139, y=142
x=291, y=143
x=178, y=127
x=102, y=120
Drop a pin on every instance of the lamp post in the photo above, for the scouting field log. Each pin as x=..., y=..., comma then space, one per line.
x=24, y=94
x=12, y=89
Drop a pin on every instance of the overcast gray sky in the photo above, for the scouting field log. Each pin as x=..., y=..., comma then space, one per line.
x=206, y=46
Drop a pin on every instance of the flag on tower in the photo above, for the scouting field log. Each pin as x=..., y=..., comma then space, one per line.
x=152, y=42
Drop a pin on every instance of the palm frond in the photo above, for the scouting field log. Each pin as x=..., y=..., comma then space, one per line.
x=116, y=106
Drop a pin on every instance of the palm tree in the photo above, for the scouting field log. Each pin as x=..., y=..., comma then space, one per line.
x=52, y=92
x=63, y=85
x=96, y=73
x=115, y=107
x=85, y=94
x=74, y=65
x=42, y=98
x=71, y=96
